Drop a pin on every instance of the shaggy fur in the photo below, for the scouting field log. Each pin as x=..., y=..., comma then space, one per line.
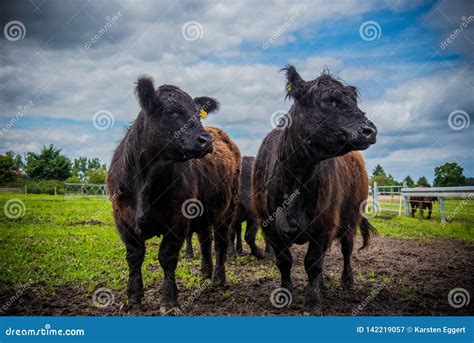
x=308, y=186
x=246, y=213
x=159, y=167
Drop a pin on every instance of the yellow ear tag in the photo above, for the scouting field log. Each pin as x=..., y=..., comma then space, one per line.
x=203, y=114
x=288, y=87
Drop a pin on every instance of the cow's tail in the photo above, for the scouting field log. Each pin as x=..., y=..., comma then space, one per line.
x=367, y=231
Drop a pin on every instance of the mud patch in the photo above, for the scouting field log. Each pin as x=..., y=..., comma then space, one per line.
x=392, y=277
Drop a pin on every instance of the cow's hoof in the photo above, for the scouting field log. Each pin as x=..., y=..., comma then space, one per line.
x=189, y=256
x=258, y=254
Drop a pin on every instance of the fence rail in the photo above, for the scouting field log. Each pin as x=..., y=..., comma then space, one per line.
x=85, y=189
x=402, y=195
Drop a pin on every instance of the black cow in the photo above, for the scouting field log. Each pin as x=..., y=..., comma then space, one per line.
x=308, y=183
x=170, y=175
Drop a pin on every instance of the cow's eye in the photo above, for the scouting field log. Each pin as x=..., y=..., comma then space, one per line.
x=335, y=102
x=175, y=115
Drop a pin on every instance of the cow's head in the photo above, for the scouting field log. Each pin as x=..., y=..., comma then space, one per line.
x=326, y=115
x=172, y=120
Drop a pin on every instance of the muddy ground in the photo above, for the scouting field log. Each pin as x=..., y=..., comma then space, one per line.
x=392, y=277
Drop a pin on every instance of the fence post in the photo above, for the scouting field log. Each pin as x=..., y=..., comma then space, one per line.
x=441, y=209
x=26, y=190
x=374, y=196
x=55, y=191
x=405, y=200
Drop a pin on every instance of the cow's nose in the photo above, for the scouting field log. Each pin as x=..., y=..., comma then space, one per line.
x=204, y=140
x=369, y=132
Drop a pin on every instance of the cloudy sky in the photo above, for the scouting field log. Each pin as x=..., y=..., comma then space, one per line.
x=67, y=70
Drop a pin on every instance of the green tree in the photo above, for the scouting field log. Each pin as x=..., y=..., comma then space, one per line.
x=7, y=168
x=79, y=168
x=96, y=175
x=449, y=175
x=423, y=182
x=409, y=181
x=378, y=171
x=49, y=164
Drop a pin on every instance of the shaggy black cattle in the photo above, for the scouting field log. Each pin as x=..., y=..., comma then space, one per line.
x=170, y=175
x=308, y=183
x=245, y=213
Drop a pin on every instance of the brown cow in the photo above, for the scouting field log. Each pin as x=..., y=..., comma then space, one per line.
x=170, y=175
x=422, y=203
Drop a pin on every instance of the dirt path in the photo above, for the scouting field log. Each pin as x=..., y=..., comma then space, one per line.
x=392, y=277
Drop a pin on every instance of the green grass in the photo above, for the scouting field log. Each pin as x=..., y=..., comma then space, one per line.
x=51, y=245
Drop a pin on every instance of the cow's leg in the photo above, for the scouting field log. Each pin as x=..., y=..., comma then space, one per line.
x=238, y=233
x=168, y=257
x=284, y=261
x=347, y=244
x=135, y=255
x=421, y=211
x=189, y=246
x=313, y=264
x=205, y=242
x=221, y=242
x=268, y=247
x=430, y=209
x=413, y=210
x=250, y=236
x=232, y=234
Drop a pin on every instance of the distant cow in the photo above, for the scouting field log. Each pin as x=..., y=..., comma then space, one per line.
x=170, y=175
x=246, y=213
x=422, y=203
x=308, y=185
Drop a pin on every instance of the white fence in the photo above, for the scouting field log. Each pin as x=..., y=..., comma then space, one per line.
x=397, y=198
x=85, y=189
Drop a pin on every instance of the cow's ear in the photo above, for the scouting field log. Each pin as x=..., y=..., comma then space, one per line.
x=146, y=94
x=207, y=104
x=294, y=83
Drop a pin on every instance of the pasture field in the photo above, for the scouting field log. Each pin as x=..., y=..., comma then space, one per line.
x=63, y=248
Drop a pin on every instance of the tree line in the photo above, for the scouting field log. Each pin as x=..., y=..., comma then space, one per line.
x=50, y=164
x=450, y=174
